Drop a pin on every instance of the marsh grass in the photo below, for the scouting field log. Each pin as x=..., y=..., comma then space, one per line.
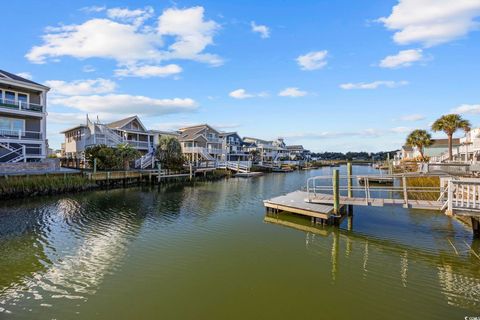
x=422, y=182
x=22, y=186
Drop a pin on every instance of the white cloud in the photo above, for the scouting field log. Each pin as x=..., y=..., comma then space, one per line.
x=243, y=94
x=292, y=92
x=93, y=9
x=240, y=94
x=313, y=60
x=81, y=87
x=403, y=58
x=431, y=22
x=97, y=38
x=262, y=29
x=467, y=109
x=412, y=117
x=124, y=104
x=192, y=34
x=401, y=130
x=26, y=75
x=137, y=16
x=148, y=71
x=65, y=118
x=373, y=85
x=125, y=37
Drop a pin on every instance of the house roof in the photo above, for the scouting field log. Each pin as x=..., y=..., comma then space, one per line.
x=191, y=134
x=198, y=127
x=123, y=122
x=439, y=143
x=7, y=75
x=258, y=140
x=73, y=128
x=295, y=147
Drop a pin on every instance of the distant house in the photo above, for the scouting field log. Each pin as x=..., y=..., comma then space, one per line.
x=297, y=152
x=232, y=144
x=201, y=143
x=439, y=147
x=23, y=119
x=268, y=150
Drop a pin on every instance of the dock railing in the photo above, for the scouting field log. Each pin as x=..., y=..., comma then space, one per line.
x=454, y=195
x=370, y=187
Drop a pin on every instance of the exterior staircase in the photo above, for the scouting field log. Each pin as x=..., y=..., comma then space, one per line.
x=15, y=152
x=146, y=161
x=204, y=153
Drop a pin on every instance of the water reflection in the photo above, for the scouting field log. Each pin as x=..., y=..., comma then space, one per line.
x=75, y=243
x=457, y=275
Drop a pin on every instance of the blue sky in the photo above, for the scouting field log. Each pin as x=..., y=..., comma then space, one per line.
x=331, y=75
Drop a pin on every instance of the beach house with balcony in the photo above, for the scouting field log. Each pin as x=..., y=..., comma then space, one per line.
x=201, y=143
x=128, y=130
x=268, y=150
x=23, y=119
x=233, y=146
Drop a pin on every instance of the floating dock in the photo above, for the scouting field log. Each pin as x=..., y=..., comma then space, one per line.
x=376, y=179
x=248, y=174
x=294, y=202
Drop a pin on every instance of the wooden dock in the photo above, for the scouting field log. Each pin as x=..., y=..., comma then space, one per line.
x=294, y=202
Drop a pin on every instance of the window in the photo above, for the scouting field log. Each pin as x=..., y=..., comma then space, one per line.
x=10, y=96
x=23, y=98
x=12, y=124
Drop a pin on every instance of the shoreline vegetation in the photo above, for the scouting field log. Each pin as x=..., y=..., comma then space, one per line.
x=21, y=186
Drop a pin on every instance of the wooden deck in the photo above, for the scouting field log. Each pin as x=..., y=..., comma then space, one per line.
x=327, y=199
x=294, y=202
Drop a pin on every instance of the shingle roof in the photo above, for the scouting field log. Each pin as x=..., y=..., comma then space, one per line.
x=190, y=133
x=123, y=122
x=11, y=76
x=295, y=147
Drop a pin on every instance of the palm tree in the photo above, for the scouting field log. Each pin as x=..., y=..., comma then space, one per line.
x=449, y=124
x=420, y=139
x=126, y=153
x=169, y=153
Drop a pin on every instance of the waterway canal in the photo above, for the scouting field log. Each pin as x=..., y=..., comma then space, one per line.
x=209, y=252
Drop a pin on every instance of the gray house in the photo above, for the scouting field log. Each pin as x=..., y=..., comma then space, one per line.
x=23, y=119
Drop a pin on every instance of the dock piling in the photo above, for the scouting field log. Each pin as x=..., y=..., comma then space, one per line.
x=336, y=192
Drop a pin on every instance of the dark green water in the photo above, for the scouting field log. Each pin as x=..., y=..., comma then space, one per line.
x=209, y=252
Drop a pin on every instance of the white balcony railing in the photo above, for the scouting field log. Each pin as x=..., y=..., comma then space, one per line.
x=20, y=134
x=20, y=105
x=138, y=144
x=202, y=150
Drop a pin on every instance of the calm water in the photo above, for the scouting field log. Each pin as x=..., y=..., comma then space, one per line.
x=209, y=252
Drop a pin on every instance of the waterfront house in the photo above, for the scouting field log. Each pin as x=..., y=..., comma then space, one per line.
x=269, y=151
x=23, y=119
x=128, y=130
x=201, y=143
x=465, y=149
x=297, y=152
x=232, y=144
x=439, y=147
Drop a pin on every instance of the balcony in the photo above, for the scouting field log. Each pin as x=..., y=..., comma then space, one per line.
x=20, y=135
x=20, y=105
x=138, y=144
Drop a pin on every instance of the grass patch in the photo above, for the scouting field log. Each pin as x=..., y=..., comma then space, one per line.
x=21, y=186
x=423, y=182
